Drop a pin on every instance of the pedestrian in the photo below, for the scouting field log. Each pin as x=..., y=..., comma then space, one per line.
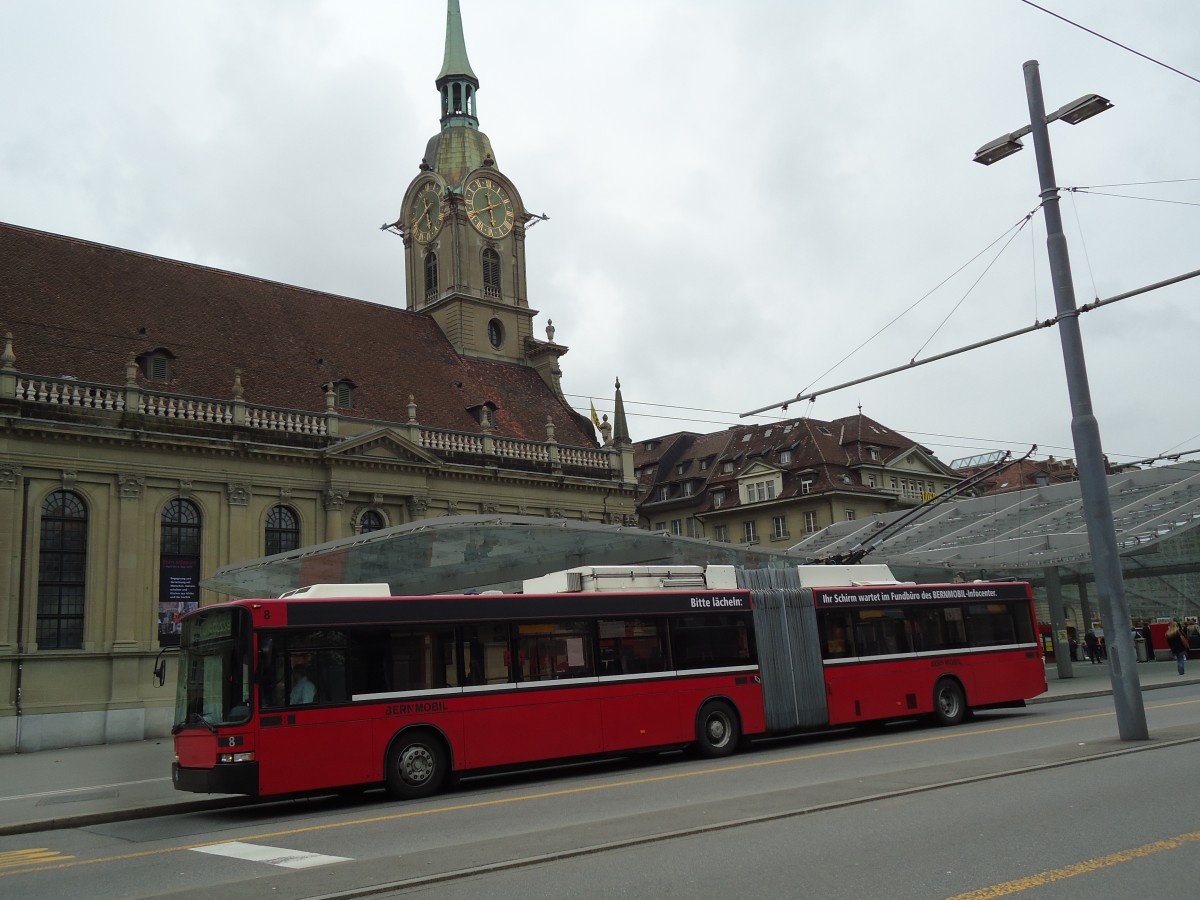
x=1178, y=642
x=1149, y=639
x=1092, y=645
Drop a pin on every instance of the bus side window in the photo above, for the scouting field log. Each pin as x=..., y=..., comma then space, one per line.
x=322, y=656
x=486, y=654
x=423, y=658
x=836, y=634
x=555, y=650
x=722, y=639
x=630, y=646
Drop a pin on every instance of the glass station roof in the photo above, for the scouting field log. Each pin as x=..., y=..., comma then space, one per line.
x=1031, y=529
x=1156, y=512
x=459, y=553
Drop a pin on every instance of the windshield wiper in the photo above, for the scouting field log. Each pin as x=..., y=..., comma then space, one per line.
x=194, y=719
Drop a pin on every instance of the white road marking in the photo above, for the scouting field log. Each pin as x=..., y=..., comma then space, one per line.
x=275, y=856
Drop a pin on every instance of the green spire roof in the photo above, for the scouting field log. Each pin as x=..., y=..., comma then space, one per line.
x=455, y=62
x=460, y=147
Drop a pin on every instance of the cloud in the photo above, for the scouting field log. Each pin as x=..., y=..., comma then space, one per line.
x=739, y=195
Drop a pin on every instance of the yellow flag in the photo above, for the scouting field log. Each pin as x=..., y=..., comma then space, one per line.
x=595, y=418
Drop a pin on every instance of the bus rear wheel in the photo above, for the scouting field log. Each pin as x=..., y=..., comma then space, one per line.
x=949, y=702
x=416, y=765
x=717, y=731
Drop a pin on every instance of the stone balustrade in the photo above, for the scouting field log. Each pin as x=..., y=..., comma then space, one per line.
x=74, y=395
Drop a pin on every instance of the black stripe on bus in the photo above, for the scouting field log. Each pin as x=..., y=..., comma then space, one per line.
x=910, y=594
x=482, y=608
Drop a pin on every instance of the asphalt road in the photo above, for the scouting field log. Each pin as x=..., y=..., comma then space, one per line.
x=1043, y=801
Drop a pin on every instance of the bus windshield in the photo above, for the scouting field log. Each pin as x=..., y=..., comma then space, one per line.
x=214, y=670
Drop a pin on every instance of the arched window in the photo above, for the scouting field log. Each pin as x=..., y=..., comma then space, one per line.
x=62, y=572
x=491, y=273
x=370, y=521
x=283, y=530
x=431, y=277
x=178, y=567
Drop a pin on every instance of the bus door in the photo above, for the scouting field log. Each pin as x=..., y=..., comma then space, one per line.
x=308, y=738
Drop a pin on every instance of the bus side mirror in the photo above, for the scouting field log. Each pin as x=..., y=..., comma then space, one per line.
x=160, y=668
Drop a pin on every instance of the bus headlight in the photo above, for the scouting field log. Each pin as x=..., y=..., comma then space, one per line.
x=235, y=757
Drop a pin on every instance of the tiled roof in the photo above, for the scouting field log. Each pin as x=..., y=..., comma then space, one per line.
x=828, y=451
x=82, y=309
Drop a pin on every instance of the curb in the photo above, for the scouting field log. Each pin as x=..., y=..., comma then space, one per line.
x=81, y=820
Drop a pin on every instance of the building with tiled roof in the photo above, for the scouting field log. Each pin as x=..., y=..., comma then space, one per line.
x=160, y=420
x=772, y=484
x=1019, y=474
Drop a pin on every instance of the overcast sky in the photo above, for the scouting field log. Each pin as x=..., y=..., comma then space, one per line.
x=740, y=193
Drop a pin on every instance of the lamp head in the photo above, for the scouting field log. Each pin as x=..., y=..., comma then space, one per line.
x=998, y=149
x=1084, y=108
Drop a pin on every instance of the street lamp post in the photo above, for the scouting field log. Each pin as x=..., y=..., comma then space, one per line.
x=1093, y=480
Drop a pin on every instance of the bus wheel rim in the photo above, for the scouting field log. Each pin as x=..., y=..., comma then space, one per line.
x=718, y=733
x=416, y=764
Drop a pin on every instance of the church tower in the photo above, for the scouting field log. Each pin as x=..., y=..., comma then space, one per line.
x=463, y=224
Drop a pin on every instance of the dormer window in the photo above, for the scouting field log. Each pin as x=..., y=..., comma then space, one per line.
x=156, y=365
x=343, y=393
x=664, y=492
x=785, y=457
x=484, y=413
x=873, y=453
x=726, y=468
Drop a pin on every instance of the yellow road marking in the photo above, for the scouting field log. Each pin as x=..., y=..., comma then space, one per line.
x=566, y=792
x=1079, y=868
x=15, y=858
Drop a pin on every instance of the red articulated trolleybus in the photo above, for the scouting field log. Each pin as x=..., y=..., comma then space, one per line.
x=340, y=686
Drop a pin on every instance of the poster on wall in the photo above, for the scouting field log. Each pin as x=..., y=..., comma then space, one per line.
x=178, y=594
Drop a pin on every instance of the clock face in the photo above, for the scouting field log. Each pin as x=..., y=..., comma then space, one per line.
x=427, y=212
x=489, y=208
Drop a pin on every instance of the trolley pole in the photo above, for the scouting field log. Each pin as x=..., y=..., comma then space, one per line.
x=1085, y=430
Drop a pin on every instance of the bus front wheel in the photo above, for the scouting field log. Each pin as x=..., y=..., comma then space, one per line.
x=949, y=702
x=717, y=732
x=416, y=765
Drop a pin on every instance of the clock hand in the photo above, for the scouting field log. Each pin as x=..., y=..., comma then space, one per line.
x=424, y=214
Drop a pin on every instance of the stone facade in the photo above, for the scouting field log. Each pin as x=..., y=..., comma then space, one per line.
x=159, y=420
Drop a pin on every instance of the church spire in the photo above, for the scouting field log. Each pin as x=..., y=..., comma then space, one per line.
x=620, y=429
x=457, y=82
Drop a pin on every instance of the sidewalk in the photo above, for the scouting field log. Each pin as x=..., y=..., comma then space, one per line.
x=114, y=782
x=1093, y=679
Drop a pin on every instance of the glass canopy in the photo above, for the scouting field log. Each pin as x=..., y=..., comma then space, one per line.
x=459, y=553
